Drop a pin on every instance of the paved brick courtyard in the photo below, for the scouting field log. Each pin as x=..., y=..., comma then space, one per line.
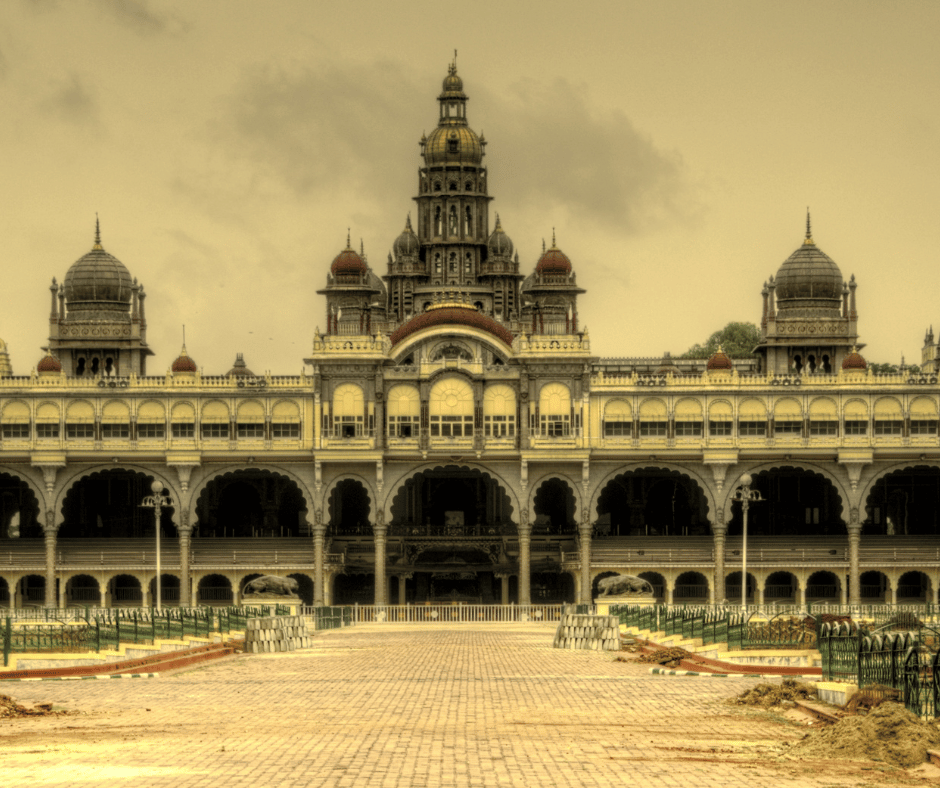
x=389, y=705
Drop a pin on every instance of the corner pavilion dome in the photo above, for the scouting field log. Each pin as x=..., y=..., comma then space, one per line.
x=348, y=261
x=98, y=283
x=809, y=279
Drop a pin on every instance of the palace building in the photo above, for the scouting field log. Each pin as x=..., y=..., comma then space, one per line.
x=456, y=440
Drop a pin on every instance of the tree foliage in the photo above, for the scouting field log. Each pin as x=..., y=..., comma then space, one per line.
x=894, y=369
x=737, y=340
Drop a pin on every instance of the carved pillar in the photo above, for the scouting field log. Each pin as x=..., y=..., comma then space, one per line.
x=379, y=416
x=719, y=531
x=504, y=589
x=50, y=535
x=584, y=532
x=402, y=588
x=185, y=537
x=319, y=532
x=855, y=573
x=381, y=584
x=525, y=537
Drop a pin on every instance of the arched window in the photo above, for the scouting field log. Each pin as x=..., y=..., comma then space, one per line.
x=499, y=411
x=115, y=421
x=555, y=410
x=888, y=417
x=468, y=221
x=215, y=420
x=452, y=226
x=720, y=419
x=618, y=419
x=855, y=417
x=924, y=416
x=348, y=411
x=404, y=412
x=79, y=421
x=688, y=418
x=788, y=417
x=823, y=417
x=16, y=421
x=47, y=420
x=249, y=423
x=451, y=409
x=285, y=421
x=437, y=215
x=653, y=418
x=452, y=263
x=752, y=419
x=183, y=421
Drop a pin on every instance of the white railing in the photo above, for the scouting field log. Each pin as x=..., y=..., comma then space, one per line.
x=455, y=614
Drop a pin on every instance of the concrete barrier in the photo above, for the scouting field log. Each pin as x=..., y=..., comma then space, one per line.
x=273, y=634
x=596, y=633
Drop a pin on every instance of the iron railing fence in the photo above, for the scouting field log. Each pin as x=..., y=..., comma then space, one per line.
x=455, y=613
x=109, y=628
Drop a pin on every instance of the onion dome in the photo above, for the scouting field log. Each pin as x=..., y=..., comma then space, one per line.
x=453, y=145
x=854, y=362
x=98, y=282
x=453, y=85
x=553, y=261
x=719, y=362
x=499, y=244
x=450, y=313
x=348, y=261
x=406, y=244
x=183, y=362
x=48, y=364
x=809, y=279
x=667, y=366
x=239, y=368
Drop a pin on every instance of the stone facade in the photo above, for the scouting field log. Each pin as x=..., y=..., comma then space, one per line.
x=455, y=439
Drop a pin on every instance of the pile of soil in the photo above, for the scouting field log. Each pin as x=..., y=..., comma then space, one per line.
x=770, y=695
x=668, y=657
x=889, y=733
x=871, y=697
x=10, y=708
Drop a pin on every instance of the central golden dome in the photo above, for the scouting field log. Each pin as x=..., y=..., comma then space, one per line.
x=453, y=145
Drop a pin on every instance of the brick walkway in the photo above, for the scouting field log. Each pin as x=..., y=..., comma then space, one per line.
x=389, y=705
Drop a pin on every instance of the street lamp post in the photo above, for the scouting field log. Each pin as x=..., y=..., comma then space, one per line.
x=156, y=502
x=746, y=496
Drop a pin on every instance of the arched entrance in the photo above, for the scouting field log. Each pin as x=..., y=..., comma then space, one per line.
x=107, y=505
x=349, y=509
x=904, y=503
x=19, y=510
x=652, y=502
x=554, y=506
x=796, y=502
x=251, y=503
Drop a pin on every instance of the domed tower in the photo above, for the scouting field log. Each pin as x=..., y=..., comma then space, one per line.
x=809, y=322
x=452, y=225
x=550, y=295
x=355, y=296
x=501, y=274
x=97, y=324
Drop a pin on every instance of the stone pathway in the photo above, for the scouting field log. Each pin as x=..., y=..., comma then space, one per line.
x=398, y=705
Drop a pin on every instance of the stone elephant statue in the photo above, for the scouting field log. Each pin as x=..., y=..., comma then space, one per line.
x=624, y=585
x=271, y=584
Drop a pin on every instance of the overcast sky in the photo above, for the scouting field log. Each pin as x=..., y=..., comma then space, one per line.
x=674, y=147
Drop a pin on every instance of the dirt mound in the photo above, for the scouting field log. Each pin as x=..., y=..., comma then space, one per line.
x=871, y=697
x=889, y=733
x=10, y=708
x=770, y=695
x=668, y=657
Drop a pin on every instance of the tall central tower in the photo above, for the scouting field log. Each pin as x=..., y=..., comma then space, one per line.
x=449, y=248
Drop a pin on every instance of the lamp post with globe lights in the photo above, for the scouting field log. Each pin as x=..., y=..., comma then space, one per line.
x=746, y=496
x=157, y=501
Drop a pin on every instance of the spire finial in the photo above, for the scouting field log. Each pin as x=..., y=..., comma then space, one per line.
x=408, y=222
x=809, y=228
x=553, y=237
x=453, y=65
x=362, y=247
x=347, y=239
x=543, y=246
x=97, y=232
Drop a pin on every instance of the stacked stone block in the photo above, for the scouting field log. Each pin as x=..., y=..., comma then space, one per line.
x=276, y=633
x=596, y=633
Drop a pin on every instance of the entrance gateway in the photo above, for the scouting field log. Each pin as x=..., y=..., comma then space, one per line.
x=452, y=539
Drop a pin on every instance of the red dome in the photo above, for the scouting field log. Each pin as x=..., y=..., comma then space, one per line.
x=348, y=262
x=451, y=315
x=553, y=261
x=719, y=361
x=184, y=363
x=49, y=363
x=854, y=361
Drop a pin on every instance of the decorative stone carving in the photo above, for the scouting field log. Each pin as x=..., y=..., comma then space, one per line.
x=184, y=472
x=268, y=586
x=625, y=585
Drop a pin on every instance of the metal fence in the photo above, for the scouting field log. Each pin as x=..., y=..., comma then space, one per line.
x=108, y=629
x=715, y=624
x=902, y=664
x=450, y=613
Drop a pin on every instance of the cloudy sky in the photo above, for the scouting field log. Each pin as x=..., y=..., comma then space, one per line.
x=674, y=147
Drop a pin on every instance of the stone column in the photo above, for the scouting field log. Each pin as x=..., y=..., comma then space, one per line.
x=670, y=591
x=525, y=538
x=402, y=589
x=504, y=589
x=381, y=583
x=855, y=572
x=719, y=531
x=185, y=539
x=803, y=596
x=319, y=533
x=50, y=535
x=584, y=534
